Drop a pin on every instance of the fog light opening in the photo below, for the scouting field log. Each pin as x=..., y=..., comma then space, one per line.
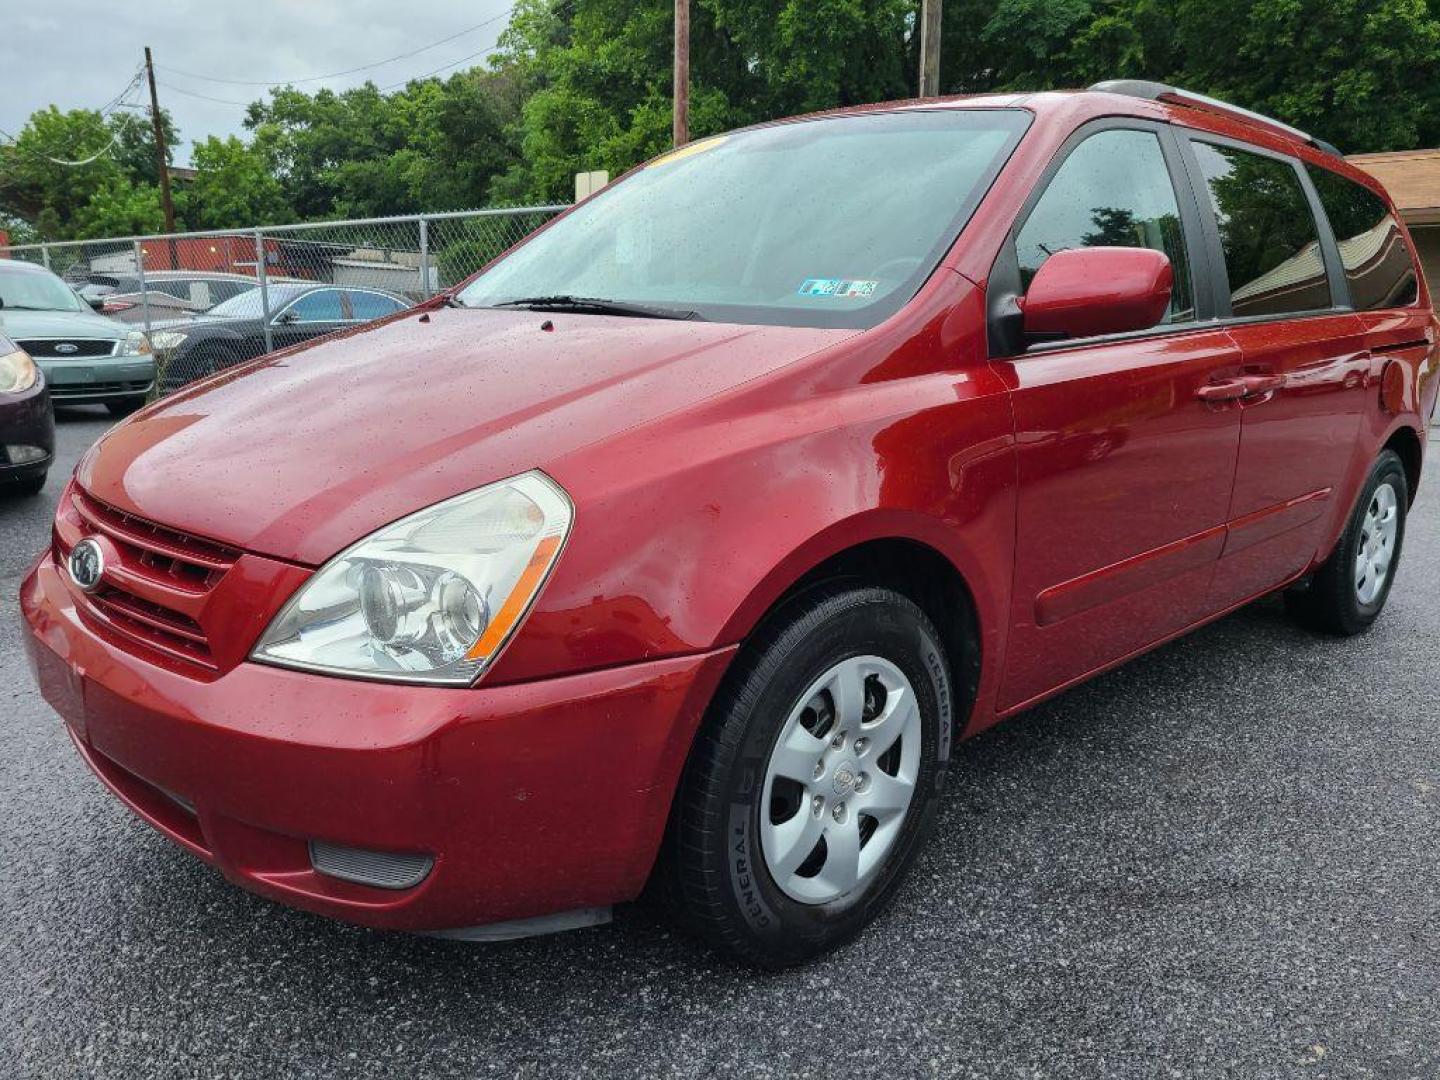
x=378, y=869
x=25, y=455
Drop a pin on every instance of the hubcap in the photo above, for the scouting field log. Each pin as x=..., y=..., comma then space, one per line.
x=840, y=780
x=1377, y=544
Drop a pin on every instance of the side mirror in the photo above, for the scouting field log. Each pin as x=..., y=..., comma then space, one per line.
x=96, y=302
x=1085, y=292
x=286, y=318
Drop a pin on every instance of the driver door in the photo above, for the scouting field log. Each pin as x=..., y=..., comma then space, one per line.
x=1125, y=471
x=310, y=316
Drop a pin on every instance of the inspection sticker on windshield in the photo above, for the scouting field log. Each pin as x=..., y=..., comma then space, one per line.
x=839, y=287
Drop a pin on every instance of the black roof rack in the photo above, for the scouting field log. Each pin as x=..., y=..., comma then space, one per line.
x=1158, y=91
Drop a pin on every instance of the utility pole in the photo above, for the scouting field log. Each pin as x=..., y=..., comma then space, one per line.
x=160, y=165
x=930, y=48
x=681, y=133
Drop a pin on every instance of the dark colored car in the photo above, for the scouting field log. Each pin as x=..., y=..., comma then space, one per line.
x=27, y=422
x=233, y=331
x=683, y=543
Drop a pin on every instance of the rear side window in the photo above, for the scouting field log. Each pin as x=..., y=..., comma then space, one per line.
x=1114, y=190
x=1377, y=262
x=1267, y=232
x=364, y=305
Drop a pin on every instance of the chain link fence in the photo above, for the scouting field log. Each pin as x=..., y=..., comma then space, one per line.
x=209, y=300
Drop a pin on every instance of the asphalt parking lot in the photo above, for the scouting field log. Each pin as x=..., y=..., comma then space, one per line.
x=1220, y=860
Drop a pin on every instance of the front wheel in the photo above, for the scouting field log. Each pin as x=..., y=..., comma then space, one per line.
x=31, y=485
x=815, y=777
x=125, y=406
x=1348, y=593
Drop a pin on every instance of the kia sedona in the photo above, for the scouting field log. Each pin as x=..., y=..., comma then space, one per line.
x=87, y=358
x=27, y=423
x=676, y=550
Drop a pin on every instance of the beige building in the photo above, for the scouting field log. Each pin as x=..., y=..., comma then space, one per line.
x=1413, y=179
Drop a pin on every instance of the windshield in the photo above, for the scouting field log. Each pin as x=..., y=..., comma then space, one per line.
x=828, y=222
x=248, y=305
x=36, y=290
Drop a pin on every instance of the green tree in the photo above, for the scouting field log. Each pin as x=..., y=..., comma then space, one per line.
x=432, y=145
x=232, y=187
x=134, y=149
x=37, y=188
x=120, y=207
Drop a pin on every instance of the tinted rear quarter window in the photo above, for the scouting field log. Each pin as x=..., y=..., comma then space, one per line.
x=1268, y=234
x=1376, y=260
x=365, y=305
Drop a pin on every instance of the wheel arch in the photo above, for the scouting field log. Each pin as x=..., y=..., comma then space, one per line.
x=926, y=569
x=1405, y=441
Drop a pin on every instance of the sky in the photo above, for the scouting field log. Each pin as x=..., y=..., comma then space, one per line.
x=89, y=51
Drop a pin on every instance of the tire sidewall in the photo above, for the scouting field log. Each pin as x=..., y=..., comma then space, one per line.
x=861, y=622
x=1387, y=468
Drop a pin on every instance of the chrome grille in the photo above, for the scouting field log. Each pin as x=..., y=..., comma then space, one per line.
x=161, y=580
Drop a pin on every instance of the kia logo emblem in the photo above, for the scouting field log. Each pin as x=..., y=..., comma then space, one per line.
x=65, y=348
x=87, y=565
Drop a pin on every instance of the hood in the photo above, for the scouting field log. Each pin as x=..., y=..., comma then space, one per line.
x=298, y=455
x=47, y=324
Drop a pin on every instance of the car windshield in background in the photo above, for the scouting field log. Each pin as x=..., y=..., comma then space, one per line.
x=249, y=304
x=32, y=290
x=828, y=222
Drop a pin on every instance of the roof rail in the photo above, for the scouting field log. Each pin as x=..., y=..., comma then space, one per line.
x=1158, y=91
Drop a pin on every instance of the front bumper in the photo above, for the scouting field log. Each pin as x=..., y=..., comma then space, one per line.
x=98, y=379
x=532, y=798
x=26, y=419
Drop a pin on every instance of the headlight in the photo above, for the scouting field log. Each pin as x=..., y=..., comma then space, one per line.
x=136, y=344
x=167, y=339
x=432, y=598
x=17, y=372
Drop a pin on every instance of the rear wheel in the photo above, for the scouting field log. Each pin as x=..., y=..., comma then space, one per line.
x=815, y=777
x=1348, y=593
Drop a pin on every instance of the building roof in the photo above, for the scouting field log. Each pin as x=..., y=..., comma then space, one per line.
x=1413, y=179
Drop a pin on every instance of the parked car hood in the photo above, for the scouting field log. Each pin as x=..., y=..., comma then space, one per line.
x=16, y=323
x=298, y=455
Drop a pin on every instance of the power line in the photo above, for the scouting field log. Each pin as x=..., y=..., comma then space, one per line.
x=347, y=71
x=117, y=102
x=15, y=145
x=556, y=10
x=445, y=67
x=202, y=97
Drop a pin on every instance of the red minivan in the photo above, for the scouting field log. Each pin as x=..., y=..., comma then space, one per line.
x=680, y=545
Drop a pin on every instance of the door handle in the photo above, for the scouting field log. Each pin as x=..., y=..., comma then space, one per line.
x=1225, y=390
x=1261, y=384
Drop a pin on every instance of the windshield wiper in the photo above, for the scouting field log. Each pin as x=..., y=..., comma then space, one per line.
x=596, y=306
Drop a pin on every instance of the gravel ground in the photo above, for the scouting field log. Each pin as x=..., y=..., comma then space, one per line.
x=1217, y=861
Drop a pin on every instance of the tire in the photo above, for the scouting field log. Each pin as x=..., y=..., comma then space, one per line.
x=125, y=406
x=724, y=863
x=1338, y=600
x=31, y=485
x=204, y=361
